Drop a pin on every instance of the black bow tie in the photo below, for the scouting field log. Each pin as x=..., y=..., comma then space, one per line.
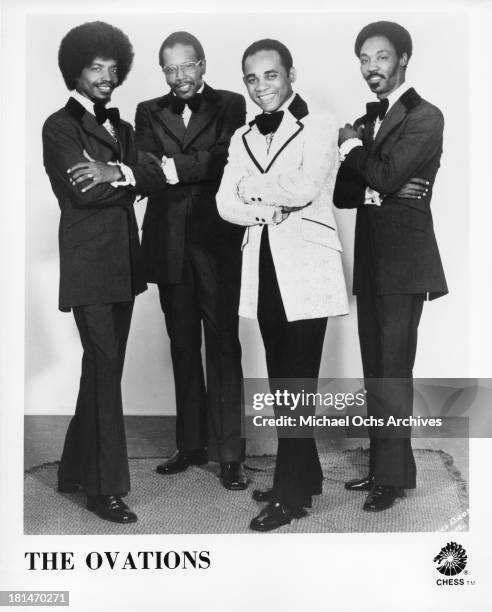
x=268, y=122
x=103, y=114
x=377, y=109
x=178, y=104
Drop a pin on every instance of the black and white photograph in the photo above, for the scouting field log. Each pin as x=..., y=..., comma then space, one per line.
x=215, y=215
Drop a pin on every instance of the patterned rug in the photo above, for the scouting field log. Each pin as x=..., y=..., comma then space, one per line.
x=195, y=501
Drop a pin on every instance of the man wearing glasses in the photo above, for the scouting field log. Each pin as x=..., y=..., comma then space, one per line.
x=194, y=256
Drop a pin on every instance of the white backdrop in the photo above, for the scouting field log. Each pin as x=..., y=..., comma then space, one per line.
x=312, y=572
x=328, y=77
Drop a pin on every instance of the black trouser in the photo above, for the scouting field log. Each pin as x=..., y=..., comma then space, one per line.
x=206, y=295
x=95, y=452
x=293, y=350
x=388, y=327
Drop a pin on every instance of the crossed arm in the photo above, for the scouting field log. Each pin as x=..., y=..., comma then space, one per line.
x=247, y=197
x=63, y=151
x=393, y=172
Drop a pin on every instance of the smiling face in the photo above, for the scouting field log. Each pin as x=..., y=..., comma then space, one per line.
x=381, y=67
x=187, y=79
x=268, y=83
x=98, y=80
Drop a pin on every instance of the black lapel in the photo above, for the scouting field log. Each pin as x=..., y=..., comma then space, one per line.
x=249, y=151
x=90, y=124
x=172, y=122
x=396, y=114
x=203, y=117
x=299, y=109
x=301, y=127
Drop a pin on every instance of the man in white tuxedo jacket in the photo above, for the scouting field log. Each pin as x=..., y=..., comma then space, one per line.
x=279, y=184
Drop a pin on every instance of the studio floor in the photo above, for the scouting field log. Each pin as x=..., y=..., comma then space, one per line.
x=151, y=436
x=440, y=497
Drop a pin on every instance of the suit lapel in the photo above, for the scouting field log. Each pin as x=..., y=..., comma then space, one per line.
x=172, y=122
x=91, y=126
x=287, y=131
x=122, y=134
x=255, y=142
x=201, y=119
x=395, y=116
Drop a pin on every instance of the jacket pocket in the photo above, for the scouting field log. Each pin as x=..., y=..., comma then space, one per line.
x=320, y=233
x=83, y=230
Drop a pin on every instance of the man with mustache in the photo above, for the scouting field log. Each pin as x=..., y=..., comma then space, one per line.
x=101, y=269
x=194, y=256
x=279, y=185
x=396, y=262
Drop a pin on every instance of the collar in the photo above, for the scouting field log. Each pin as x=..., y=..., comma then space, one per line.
x=83, y=101
x=398, y=93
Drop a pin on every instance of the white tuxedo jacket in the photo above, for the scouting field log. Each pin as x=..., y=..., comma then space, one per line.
x=297, y=173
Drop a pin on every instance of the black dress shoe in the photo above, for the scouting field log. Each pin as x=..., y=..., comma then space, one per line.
x=69, y=487
x=360, y=484
x=110, y=508
x=181, y=460
x=262, y=495
x=382, y=497
x=265, y=495
x=232, y=476
x=276, y=515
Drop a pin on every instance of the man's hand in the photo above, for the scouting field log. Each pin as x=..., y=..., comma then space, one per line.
x=99, y=172
x=415, y=189
x=347, y=132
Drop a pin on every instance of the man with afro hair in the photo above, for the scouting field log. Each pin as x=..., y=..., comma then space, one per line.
x=100, y=261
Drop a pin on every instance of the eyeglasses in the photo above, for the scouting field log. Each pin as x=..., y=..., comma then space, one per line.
x=185, y=67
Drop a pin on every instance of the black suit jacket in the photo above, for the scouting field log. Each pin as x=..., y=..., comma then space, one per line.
x=395, y=246
x=100, y=258
x=187, y=211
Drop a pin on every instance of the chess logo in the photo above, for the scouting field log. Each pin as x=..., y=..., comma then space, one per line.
x=451, y=559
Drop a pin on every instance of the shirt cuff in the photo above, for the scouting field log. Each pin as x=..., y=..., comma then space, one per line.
x=169, y=169
x=128, y=177
x=348, y=145
x=372, y=198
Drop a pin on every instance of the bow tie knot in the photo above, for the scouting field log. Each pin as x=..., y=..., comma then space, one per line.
x=103, y=114
x=178, y=104
x=268, y=123
x=377, y=109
